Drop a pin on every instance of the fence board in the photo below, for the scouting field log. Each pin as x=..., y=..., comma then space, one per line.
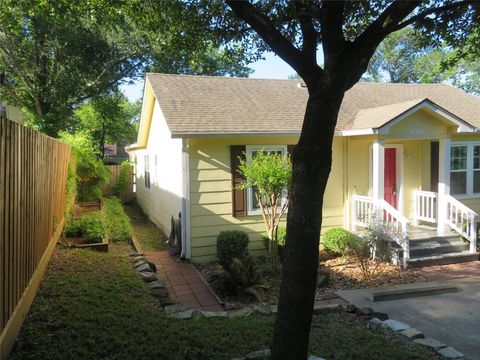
x=33, y=171
x=109, y=189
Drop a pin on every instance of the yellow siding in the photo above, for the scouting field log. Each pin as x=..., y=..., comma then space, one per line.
x=210, y=193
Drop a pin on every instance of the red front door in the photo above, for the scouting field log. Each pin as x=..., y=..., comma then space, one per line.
x=390, y=182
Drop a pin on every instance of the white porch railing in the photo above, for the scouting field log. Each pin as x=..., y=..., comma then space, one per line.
x=365, y=209
x=426, y=204
x=463, y=220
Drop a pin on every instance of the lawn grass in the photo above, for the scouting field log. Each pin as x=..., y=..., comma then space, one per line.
x=93, y=306
x=150, y=236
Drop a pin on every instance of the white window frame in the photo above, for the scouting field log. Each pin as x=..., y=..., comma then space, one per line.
x=146, y=169
x=249, y=149
x=470, y=170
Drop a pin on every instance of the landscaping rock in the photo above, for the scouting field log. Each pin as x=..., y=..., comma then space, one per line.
x=139, y=263
x=210, y=314
x=240, y=313
x=157, y=284
x=143, y=268
x=322, y=309
x=159, y=293
x=197, y=314
x=323, y=278
x=187, y=314
x=380, y=315
x=171, y=309
x=152, y=266
x=395, y=325
x=365, y=311
x=350, y=308
x=259, y=354
x=450, y=353
x=261, y=309
x=376, y=321
x=313, y=357
x=132, y=254
x=148, y=276
x=412, y=333
x=431, y=343
x=166, y=301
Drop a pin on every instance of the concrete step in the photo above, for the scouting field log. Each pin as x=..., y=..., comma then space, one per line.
x=434, y=248
x=444, y=259
x=441, y=239
x=412, y=291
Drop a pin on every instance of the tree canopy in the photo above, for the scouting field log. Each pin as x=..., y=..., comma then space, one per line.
x=55, y=54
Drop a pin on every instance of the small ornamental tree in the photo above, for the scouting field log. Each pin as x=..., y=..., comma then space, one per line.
x=269, y=175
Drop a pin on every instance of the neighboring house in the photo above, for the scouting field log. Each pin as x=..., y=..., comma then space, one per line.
x=115, y=154
x=11, y=113
x=409, y=151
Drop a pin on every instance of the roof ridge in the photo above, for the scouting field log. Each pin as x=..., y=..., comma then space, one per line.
x=219, y=77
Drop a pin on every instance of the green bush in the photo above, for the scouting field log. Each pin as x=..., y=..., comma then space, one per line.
x=231, y=244
x=117, y=223
x=90, y=226
x=91, y=172
x=337, y=240
x=122, y=182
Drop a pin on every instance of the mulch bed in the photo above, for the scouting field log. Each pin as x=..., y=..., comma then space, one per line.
x=345, y=274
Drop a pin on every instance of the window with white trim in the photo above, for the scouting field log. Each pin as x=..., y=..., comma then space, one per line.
x=465, y=169
x=147, y=171
x=253, y=208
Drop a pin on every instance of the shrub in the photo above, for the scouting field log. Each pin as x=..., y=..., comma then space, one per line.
x=231, y=244
x=122, y=182
x=117, y=223
x=337, y=240
x=92, y=227
x=361, y=251
x=281, y=237
x=91, y=172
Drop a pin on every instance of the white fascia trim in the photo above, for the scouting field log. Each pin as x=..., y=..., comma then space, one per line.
x=463, y=127
x=186, y=241
x=358, y=132
x=223, y=134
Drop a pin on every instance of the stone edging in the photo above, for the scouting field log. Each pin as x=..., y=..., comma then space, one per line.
x=147, y=272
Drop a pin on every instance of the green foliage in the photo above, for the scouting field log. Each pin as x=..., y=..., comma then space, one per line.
x=91, y=172
x=90, y=226
x=122, y=182
x=70, y=193
x=108, y=119
x=241, y=276
x=269, y=173
x=281, y=237
x=337, y=240
x=231, y=244
x=117, y=223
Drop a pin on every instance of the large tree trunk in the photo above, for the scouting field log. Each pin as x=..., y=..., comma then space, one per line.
x=312, y=160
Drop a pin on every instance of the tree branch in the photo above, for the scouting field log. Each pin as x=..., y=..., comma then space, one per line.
x=309, y=34
x=303, y=65
x=432, y=11
x=331, y=21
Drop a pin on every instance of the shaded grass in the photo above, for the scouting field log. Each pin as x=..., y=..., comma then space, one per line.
x=149, y=235
x=93, y=306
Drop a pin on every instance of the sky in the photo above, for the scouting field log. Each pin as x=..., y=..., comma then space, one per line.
x=271, y=68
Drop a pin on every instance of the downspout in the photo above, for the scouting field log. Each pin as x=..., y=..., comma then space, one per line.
x=186, y=246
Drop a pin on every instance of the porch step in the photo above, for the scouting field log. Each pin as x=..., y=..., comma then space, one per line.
x=436, y=247
x=444, y=259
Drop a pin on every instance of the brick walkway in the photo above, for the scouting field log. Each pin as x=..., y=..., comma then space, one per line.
x=451, y=272
x=183, y=282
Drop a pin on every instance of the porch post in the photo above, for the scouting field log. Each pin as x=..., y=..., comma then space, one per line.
x=378, y=169
x=443, y=182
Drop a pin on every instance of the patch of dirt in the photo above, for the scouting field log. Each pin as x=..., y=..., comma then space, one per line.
x=344, y=273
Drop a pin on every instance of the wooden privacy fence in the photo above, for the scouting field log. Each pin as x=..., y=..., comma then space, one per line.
x=33, y=172
x=109, y=190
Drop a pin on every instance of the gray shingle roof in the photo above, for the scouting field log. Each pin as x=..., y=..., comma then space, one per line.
x=204, y=104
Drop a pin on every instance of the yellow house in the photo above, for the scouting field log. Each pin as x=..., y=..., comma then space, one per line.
x=408, y=152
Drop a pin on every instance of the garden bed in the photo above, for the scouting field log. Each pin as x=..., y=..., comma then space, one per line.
x=343, y=272
x=85, y=207
x=80, y=242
